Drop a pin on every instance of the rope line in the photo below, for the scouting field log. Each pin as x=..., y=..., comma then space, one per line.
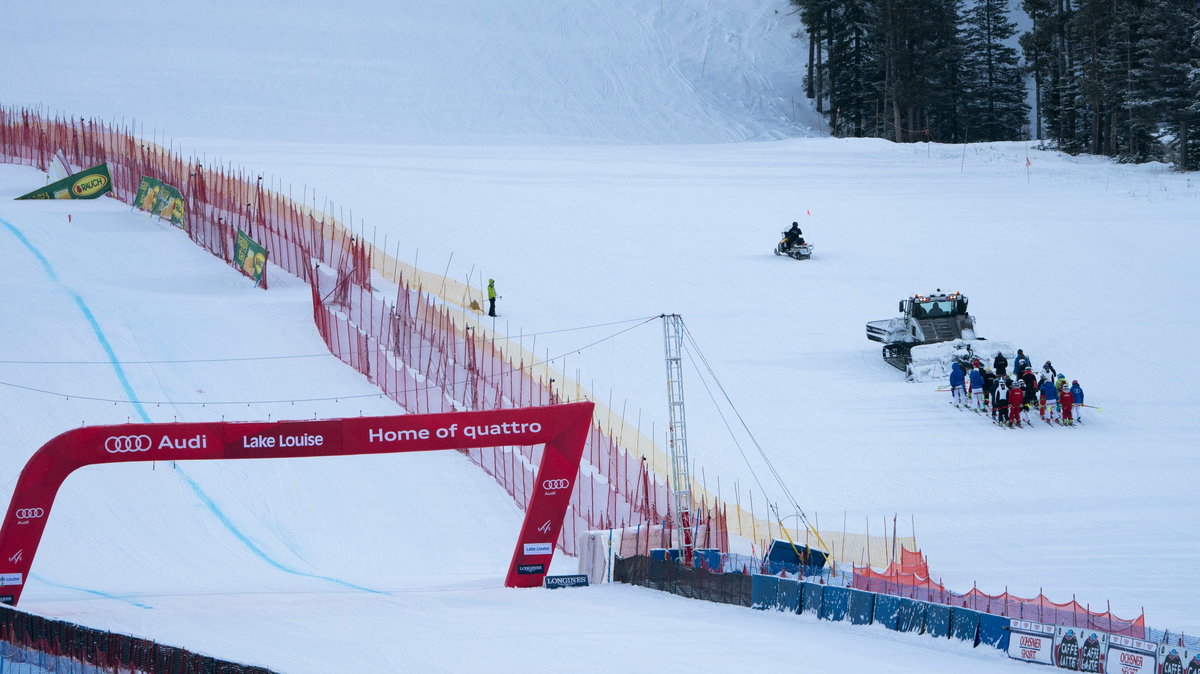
x=293, y=356
x=203, y=403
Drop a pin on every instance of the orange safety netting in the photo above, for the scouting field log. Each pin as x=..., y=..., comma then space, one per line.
x=910, y=578
x=412, y=348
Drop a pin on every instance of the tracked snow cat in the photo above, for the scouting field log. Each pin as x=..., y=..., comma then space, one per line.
x=931, y=332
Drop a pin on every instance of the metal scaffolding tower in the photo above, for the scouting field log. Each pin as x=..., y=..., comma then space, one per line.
x=677, y=432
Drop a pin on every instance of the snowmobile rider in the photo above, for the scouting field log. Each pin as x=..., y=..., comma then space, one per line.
x=793, y=236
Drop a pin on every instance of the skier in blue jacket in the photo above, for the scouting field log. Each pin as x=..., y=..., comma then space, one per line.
x=1049, y=398
x=1077, y=391
x=977, y=387
x=1021, y=363
x=956, y=384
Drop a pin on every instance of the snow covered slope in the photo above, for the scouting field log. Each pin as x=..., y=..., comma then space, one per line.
x=516, y=72
x=554, y=154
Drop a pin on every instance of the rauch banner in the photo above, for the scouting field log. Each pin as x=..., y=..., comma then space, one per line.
x=87, y=184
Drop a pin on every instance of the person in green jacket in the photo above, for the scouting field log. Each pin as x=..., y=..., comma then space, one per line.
x=492, y=297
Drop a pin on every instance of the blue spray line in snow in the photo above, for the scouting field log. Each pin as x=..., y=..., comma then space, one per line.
x=132, y=397
x=98, y=593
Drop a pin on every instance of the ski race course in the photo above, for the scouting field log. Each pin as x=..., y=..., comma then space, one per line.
x=605, y=163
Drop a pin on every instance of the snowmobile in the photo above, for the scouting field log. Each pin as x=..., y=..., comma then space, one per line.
x=799, y=249
x=931, y=333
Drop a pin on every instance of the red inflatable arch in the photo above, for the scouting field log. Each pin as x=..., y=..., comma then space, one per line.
x=562, y=428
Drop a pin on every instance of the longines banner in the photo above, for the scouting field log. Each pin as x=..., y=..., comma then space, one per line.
x=163, y=200
x=249, y=256
x=562, y=429
x=87, y=184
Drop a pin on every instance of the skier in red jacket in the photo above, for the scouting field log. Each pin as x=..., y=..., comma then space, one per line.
x=1067, y=399
x=1016, y=395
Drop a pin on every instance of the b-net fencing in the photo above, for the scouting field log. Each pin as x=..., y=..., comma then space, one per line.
x=413, y=344
x=32, y=644
x=909, y=577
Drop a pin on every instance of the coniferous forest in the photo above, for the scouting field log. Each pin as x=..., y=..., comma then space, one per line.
x=1119, y=78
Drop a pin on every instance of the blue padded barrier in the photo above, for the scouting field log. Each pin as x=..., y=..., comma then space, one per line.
x=910, y=615
x=887, y=609
x=661, y=554
x=862, y=606
x=810, y=597
x=835, y=603
x=964, y=624
x=993, y=631
x=789, y=595
x=764, y=592
x=786, y=556
x=707, y=558
x=937, y=620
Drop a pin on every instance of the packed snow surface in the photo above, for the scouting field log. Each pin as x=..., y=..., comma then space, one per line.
x=592, y=160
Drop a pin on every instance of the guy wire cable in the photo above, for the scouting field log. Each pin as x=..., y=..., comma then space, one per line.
x=791, y=499
x=346, y=397
x=294, y=356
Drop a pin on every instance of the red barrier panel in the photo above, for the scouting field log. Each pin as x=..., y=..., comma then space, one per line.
x=561, y=428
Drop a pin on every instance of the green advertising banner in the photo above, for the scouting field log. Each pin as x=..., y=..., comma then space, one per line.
x=147, y=193
x=249, y=256
x=87, y=184
x=163, y=200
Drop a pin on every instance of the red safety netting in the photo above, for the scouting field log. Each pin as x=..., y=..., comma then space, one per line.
x=910, y=578
x=408, y=345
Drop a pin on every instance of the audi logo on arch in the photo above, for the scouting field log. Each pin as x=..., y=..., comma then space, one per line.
x=30, y=513
x=555, y=484
x=118, y=444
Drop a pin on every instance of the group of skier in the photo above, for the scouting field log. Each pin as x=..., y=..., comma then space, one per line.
x=1009, y=398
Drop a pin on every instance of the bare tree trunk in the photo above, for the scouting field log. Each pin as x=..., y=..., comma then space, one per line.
x=1185, y=162
x=811, y=46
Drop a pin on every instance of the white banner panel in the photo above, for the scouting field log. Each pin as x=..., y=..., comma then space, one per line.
x=1127, y=655
x=1031, y=642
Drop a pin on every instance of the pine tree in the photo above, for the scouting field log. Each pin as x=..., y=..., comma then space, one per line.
x=1166, y=72
x=839, y=62
x=1189, y=133
x=1137, y=75
x=1038, y=47
x=1114, y=77
x=851, y=94
x=920, y=59
x=994, y=105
